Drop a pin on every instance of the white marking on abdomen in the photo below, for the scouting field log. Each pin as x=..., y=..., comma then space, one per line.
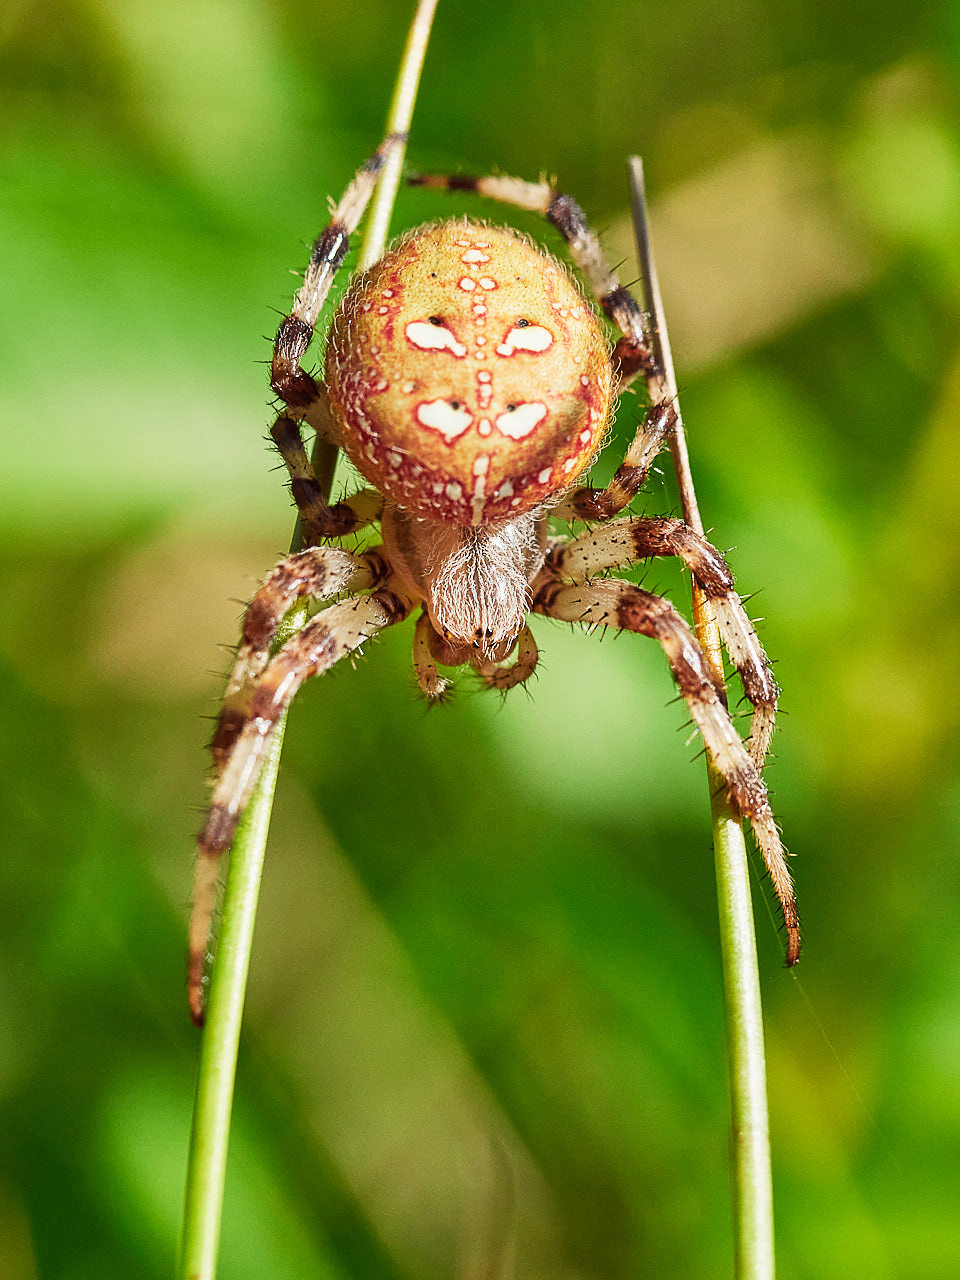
x=531, y=337
x=440, y=415
x=519, y=422
x=433, y=337
x=481, y=466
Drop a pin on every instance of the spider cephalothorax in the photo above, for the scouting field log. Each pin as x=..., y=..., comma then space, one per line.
x=471, y=384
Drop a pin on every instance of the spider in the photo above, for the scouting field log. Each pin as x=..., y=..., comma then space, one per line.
x=471, y=384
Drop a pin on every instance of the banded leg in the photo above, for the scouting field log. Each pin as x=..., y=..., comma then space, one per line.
x=320, y=519
x=336, y=632
x=586, y=503
x=633, y=352
x=504, y=676
x=613, y=603
x=295, y=387
x=320, y=572
x=624, y=542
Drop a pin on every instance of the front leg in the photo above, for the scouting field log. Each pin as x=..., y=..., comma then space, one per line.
x=317, y=574
x=612, y=603
x=330, y=636
x=625, y=542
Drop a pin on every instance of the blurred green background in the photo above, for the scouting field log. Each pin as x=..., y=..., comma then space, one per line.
x=485, y=1012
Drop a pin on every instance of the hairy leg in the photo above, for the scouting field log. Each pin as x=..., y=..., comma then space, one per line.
x=318, y=573
x=299, y=391
x=321, y=519
x=613, y=603
x=329, y=637
x=625, y=542
x=292, y=384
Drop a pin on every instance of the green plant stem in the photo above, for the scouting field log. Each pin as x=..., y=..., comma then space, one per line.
x=398, y=121
x=207, y=1161
x=749, y=1126
x=750, y=1130
x=207, y=1154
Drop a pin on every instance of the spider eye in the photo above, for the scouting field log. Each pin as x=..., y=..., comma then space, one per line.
x=511, y=408
x=455, y=404
x=435, y=320
x=522, y=324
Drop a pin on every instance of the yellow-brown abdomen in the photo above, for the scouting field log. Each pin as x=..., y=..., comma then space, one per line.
x=469, y=379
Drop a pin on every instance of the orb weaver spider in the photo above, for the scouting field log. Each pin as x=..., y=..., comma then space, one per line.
x=471, y=384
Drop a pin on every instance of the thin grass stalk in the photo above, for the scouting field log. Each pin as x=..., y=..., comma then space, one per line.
x=207, y=1154
x=749, y=1123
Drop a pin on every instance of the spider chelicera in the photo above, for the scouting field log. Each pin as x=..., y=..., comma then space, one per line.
x=471, y=384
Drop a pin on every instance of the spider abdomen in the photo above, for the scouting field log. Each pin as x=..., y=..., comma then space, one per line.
x=469, y=379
